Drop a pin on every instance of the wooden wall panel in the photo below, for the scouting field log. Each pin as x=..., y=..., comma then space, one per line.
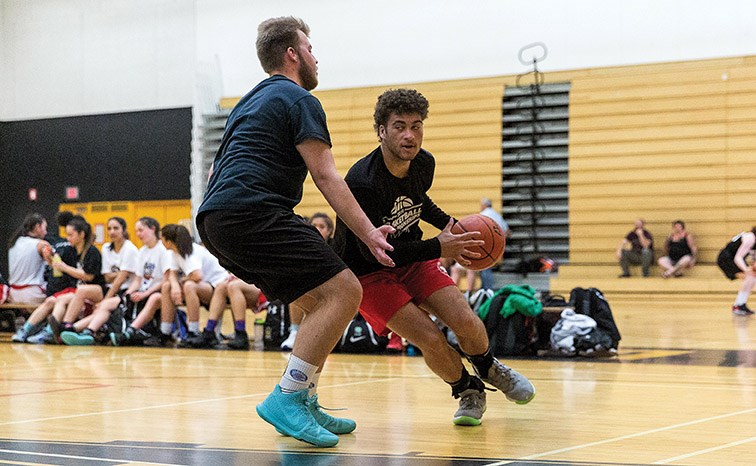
x=663, y=141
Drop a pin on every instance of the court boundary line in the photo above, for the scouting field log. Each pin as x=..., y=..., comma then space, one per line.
x=706, y=450
x=629, y=436
x=87, y=458
x=171, y=405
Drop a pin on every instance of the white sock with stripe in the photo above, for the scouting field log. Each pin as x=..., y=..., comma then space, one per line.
x=297, y=376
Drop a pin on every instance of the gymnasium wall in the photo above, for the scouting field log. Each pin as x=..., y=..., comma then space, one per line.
x=662, y=142
x=77, y=57
x=124, y=156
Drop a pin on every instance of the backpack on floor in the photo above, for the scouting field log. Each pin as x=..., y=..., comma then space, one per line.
x=359, y=337
x=276, y=328
x=553, y=305
x=591, y=302
x=515, y=335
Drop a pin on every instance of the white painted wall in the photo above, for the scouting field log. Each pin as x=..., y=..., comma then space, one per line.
x=74, y=57
x=71, y=57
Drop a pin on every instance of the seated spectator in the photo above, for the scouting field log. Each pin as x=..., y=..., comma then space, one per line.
x=241, y=296
x=636, y=248
x=201, y=274
x=85, y=270
x=143, y=292
x=119, y=258
x=62, y=218
x=324, y=224
x=58, y=284
x=27, y=251
x=88, y=273
x=680, y=251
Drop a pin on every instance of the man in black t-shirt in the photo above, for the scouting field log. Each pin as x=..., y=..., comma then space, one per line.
x=637, y=247
x=391, y=185
x=273, y=137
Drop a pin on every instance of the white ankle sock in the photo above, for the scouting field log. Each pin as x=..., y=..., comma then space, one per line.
x=194, y=327
x=297, y=376
x=742, y=298
x=166, y=327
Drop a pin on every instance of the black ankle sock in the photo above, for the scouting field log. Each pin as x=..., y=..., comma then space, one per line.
x=482, y=362
x=462, y=384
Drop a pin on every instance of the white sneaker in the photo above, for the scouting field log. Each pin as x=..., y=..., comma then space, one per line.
x=288, y=344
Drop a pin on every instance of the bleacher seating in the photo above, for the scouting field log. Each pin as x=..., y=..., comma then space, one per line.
x=703, y=280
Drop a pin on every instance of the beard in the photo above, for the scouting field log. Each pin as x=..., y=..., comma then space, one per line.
x=308, y=76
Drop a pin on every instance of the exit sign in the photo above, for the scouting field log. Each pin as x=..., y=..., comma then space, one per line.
x=72, y=193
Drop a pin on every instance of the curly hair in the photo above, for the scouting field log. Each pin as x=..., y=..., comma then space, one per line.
x=400, y=102
x=274, y=37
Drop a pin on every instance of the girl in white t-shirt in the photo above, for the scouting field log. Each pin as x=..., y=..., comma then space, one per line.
x=144, y=288
x=26, y=261
x=118, y=266
x=201, y=274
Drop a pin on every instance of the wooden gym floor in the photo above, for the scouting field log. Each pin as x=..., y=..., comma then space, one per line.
x=682, y=392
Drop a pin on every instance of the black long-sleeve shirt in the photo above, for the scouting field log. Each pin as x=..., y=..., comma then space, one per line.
x=399, y=202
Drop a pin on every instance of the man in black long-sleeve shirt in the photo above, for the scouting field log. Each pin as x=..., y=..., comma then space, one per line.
x=391, y=185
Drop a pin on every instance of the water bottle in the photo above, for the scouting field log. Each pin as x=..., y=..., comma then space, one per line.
x=259, y=334
x=56, y=260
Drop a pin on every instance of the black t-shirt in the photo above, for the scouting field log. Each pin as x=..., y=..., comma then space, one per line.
x=257, y=165
x=731, y=249
x=69, y=256
x=92, y=264
x=399, y=202
x=632, y=237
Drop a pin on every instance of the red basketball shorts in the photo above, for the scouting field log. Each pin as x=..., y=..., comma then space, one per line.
x=388, y=290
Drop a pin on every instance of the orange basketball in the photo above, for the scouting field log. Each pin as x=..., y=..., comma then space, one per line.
x=490, y=232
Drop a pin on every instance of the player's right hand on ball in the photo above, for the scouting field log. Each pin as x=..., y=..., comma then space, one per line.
x=457, y=246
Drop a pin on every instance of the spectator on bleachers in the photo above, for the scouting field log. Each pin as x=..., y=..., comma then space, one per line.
x=201, y=274
x=119, y=258
x=636, y=248
x=62, y=218
x=144, y=291
x=324, y=224
x=88, y=271
x=680, y=251
x=58, y=284
x=85, y=270
x=732, y=261
x=241, y=296
x=27, y=252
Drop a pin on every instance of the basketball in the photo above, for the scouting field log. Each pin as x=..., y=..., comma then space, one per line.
x=490, y=232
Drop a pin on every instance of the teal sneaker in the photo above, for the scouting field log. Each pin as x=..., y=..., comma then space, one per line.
x=290, y=415
x=335, y=425
x=77, y=339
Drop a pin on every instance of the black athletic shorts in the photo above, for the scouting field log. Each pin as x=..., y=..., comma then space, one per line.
x=275, y=250
x=727, y=263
